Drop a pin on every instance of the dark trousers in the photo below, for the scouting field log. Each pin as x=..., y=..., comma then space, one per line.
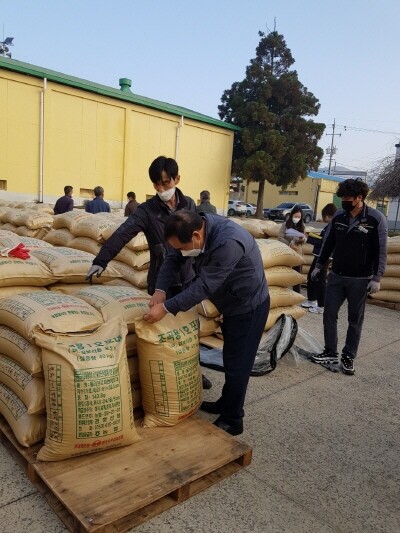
x=316, y=289
x=339, y=289
x=297, y=288
x=242, y=335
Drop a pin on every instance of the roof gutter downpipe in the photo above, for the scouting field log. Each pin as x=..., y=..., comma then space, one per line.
x=41, y=137
x=178, y=134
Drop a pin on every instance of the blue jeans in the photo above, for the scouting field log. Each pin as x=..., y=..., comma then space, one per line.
x=339, y=289
x=242, y=335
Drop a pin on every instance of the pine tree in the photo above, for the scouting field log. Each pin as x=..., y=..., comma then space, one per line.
x=278, y=143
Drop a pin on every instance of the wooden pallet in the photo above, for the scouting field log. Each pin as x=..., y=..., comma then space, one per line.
x=387, y=305
x=118, y=489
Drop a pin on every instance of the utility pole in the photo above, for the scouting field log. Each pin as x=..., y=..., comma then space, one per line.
x=332, y=150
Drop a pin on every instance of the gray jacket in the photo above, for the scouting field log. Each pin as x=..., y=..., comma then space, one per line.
x=229, y=271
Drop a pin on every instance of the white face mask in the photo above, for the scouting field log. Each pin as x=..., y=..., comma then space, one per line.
x=167, y=195
x=191, y=253
x=296, y=220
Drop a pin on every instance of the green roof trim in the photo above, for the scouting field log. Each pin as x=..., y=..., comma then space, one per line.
x=104, y=90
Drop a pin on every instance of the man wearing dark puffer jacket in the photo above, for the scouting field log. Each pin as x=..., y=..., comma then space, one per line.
x=150, y=218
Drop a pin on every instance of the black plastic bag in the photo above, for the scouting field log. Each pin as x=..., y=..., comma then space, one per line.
x=273, y=346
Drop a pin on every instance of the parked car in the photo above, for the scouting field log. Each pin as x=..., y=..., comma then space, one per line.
x=236, y=207
x=250, y=209
x=266, y=212
x=282, y=211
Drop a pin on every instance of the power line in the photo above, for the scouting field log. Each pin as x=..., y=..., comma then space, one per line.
x=367, y=130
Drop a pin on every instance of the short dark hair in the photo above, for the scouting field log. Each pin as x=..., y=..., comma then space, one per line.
x=182, y=224
x=98, y=191
x=205, y=196
x=131, y=195
x=68, y=189
x=329, y=210
x=160, y=164
x=351, y=187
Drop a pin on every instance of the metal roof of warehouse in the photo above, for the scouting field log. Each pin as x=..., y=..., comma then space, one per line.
x=323, y=176
x=104, y=90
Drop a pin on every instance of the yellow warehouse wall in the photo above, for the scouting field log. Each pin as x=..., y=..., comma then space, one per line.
x=274, y=195
x=90, y=139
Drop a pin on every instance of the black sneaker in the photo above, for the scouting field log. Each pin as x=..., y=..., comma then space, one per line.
x=326, y=358
x=347, y=365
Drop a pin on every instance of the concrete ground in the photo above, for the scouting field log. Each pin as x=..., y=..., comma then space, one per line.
x=326, y=452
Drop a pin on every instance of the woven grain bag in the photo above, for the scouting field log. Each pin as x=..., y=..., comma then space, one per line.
x=23, y=231
x=139, y=260
x=26, y=354
x=71, y=266
x=282, y=297
x=207, y=309
x=92, y=227
x=51, y=312
x=65, y=219
x=30, y=271
x=32, y=219
x=85, y=244
x=138, y=278
x=169, y=368
x=393, y=245
x=283, y=276
x=59, y=237
x=387, y=296
x=88, y=392
x=5, y=292
x=129, y=303
x=28, y=389
x=208, y=326
x=276, y=253
x=294, y=310
x=28, y=429
x=139, y=242
x=391, y=284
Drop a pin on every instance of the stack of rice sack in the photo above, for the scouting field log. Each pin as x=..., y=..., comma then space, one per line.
x=59, y=356
x=278, y=261
x=85, y=232
x=27, y=220
x=390, y=282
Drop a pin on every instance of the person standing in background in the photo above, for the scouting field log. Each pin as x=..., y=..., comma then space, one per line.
x=316, y=288
x=205, y=206
x=356, y=239
x=132, y=204
x=98, y=205
x=294, y=221
x=65, y=203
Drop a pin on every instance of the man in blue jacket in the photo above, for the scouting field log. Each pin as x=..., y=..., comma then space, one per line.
x=98, y=205
x=229, y=272
x=356, y=239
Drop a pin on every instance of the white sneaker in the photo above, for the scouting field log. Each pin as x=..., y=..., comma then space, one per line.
x=309, y=303
x=316, y=309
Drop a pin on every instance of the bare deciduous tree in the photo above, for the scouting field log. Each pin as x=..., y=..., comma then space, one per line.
x=386, y=181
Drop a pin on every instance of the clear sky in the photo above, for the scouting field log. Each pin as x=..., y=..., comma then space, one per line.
x=188, y=52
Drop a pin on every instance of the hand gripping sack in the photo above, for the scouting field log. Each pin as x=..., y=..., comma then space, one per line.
x=88, y=392
x=169, y=368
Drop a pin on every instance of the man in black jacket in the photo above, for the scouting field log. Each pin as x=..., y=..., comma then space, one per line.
x=150, y=217
x=229, y=272
x=357, y=240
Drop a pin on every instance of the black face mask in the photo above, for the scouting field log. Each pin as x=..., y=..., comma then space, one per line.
x=347, y=205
